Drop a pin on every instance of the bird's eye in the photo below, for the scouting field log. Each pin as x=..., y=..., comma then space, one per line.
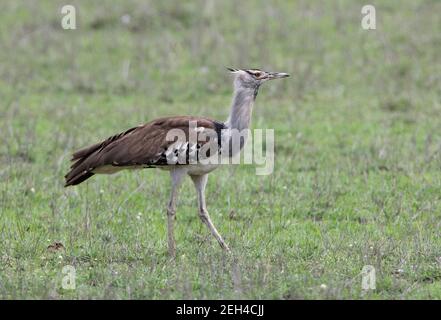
x=257, y=74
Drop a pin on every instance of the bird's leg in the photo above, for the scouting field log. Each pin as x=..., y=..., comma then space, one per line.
x=200, y=182
x=176, y=177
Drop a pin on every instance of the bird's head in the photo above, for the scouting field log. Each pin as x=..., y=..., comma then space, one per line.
x=253, y=78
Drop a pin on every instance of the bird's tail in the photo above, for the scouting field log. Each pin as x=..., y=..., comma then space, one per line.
x=88, y=159
x=81, y=169
x=72, y=180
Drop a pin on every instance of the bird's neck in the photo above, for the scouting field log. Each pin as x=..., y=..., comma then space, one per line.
x=241, y=108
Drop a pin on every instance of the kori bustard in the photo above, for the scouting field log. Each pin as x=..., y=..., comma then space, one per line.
x=150, y=146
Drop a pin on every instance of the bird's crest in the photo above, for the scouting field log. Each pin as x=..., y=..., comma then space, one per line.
x=253, y=71
x=232, y=69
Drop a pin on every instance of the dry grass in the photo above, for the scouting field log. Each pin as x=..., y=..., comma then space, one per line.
x=357, y=174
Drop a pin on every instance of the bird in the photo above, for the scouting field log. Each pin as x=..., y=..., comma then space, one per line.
x=149, y=146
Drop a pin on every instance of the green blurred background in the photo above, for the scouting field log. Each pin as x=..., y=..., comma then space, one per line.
x=358, y=139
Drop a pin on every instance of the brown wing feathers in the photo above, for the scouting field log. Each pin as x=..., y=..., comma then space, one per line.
x=142, y=145
x=87, y=159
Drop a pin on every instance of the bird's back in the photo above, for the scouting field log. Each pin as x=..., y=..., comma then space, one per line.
x=138, y=147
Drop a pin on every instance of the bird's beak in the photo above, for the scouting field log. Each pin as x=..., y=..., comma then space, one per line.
x=277, y=75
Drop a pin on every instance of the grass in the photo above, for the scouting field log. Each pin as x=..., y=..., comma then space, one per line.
x=357, y=176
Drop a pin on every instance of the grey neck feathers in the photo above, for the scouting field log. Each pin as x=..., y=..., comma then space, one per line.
x=241, y=108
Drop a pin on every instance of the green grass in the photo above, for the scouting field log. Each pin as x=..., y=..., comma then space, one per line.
x=357, y=177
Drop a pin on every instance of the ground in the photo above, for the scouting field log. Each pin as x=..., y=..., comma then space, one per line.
x=356, y=180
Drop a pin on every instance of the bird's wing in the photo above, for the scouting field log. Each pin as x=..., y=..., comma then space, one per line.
x=145, y=145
